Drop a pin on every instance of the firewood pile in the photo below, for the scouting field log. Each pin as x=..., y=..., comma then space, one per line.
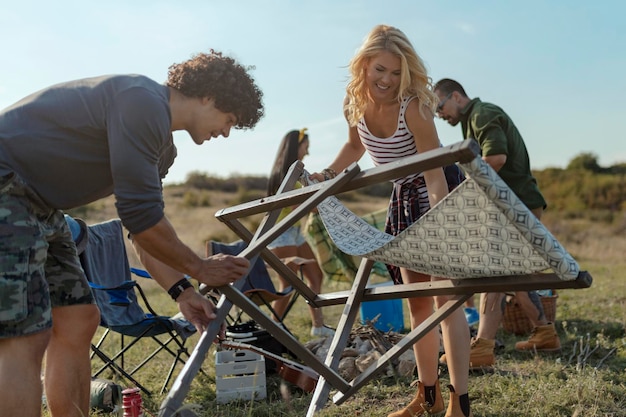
x=366, y=344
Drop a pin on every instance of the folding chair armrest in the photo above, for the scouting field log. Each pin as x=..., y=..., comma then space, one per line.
x=118, y=295
x=140, y=272
x=126, y=285
x=145, y=274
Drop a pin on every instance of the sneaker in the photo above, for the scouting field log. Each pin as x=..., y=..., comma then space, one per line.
x=471, y=315
x=481, y=354
x=323, y=331
x=542, y=339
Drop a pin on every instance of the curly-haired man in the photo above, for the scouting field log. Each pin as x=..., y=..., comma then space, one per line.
x=71, y=144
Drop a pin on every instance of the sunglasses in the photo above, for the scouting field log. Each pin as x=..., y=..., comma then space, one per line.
x=442, y=102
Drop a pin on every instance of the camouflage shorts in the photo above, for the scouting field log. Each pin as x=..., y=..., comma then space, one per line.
x=39, y=268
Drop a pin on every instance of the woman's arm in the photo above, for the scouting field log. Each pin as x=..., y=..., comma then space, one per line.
x=426, y=139
x=351, y=151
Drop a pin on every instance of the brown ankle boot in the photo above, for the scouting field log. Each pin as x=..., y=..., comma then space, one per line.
x=481, y=354
x=454, y=406
x=542, y=339
x=418, y=406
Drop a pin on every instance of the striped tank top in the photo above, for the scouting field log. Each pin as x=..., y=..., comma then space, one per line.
x=399, y=145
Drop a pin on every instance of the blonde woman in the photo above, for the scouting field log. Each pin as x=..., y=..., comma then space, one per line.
x=390, y=110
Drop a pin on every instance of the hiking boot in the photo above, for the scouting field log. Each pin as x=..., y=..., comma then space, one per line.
x=419, y=406
x=454, y=406
x=481, y=354
x=542, y=339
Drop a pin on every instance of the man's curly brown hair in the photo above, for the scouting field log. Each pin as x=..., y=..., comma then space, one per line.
x=221, y=78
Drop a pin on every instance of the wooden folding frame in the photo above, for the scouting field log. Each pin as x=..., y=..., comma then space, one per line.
x=307, y=198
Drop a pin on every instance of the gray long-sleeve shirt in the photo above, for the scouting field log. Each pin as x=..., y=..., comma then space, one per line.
x=83, y=140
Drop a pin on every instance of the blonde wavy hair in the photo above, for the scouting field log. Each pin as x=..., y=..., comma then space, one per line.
x=414, y=80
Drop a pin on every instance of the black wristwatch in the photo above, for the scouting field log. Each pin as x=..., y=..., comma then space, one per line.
x=177, y=289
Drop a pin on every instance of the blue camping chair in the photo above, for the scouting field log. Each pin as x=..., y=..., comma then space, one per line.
x=258, y=286
x=106, y=266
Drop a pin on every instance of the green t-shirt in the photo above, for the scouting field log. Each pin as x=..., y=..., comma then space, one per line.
x=496, y=134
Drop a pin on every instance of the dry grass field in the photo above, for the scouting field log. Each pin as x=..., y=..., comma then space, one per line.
x=197, y=224
x=588, y=377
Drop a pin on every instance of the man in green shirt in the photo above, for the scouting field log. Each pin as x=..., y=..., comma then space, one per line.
x=503, y=148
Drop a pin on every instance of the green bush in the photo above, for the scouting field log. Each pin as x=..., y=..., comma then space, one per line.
x=193, y=198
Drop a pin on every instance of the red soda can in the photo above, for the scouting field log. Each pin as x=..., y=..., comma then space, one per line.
x=132, y=403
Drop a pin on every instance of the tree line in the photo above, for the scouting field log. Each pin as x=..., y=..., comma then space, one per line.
x=581, y=187
x=584, y=188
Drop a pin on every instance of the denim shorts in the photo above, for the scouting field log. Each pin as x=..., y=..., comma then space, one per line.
x=40, y=268
x=291, y=237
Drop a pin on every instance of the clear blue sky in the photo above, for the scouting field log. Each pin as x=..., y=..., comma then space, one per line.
x=557, y=67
